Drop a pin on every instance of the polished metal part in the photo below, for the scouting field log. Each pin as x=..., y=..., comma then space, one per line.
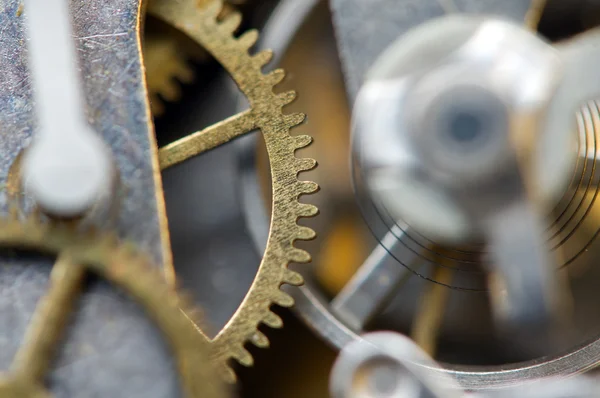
x=388, y=364
x=372, y=286
x=312, y=305
x=68, y=167
x=446, y=131
x=365, y=28
x=573, y=387
x=111, y=350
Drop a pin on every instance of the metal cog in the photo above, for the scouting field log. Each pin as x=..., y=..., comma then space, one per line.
x=167, y=59
x=200, y=21
x=80, y=252
x=166, y=68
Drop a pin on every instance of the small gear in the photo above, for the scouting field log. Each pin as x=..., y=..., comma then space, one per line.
x=168, y=58
x=201, y=22
x=167, y=66
x=81, y=252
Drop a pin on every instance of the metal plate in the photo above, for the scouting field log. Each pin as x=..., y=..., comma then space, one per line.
x=112, y=350
x=364, y=28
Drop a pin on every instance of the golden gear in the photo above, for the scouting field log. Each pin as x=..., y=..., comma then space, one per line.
x=201, y=23
x=167, y=55
x=78, y=253
x=167, y=66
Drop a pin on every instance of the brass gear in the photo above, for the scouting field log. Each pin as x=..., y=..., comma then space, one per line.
x=168, y=56
x=80, y=252
x=200, y=21
x=167, y=67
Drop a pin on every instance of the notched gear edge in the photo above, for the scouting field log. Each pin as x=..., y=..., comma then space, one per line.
x=123, y=265
x=233, y=53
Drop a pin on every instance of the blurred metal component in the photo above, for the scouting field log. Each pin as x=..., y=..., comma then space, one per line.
x=370, y=288
x=168, y=57
x=431, y=310
x=111, y=341
x=167, y=66
x=265, y=113
x=365, y=28
x=586, y=386
x=80, y=252
x=67, y=168
x=387, y=364
x=446, y=135
x=314, y=307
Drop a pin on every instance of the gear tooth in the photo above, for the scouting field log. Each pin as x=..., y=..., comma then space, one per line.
x=244, y=357
x=304, y=164
x=305, y=233
x=213, y=8
x=287, y=98
x=300, y=256
x=185, y=74
x=275, y=77
x=294, y=119
x=171, y=91
x=307, y=210
x=259, y=339
x=228, y=374
x=293, y=278
x=248, y=38
x=302, y=141
x=273, y=320
x=308, y=187
x=158, y=107
x=232, y=22
x=283, y=299
x=263, y=57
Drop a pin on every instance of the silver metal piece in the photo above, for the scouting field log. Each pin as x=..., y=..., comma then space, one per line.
x=371, y=286
x=387, y=364
x=67, y=168
x=445, y=135
x=390, y=365
x=112, y=350
x=365, y=28
x=573, y=387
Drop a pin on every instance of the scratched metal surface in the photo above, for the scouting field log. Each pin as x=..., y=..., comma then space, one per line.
x=364, y=28
x=111, y=350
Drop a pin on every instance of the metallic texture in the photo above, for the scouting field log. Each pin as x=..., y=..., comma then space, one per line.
x=314, y=308
x=447, y=139
x=265, y=113
x=167, y=67
x=79, y=253
x=168, y=58
x=371, y=287
x=364, y=28
x=388, y=364
x=67, y=168
x=111, y=342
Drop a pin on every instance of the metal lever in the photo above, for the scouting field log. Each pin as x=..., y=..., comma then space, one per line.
x=67, y=167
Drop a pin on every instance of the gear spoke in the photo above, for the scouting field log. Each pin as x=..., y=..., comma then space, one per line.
x=48, y=322
x=202, y=22
x=207, y=139
x=373, y=285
